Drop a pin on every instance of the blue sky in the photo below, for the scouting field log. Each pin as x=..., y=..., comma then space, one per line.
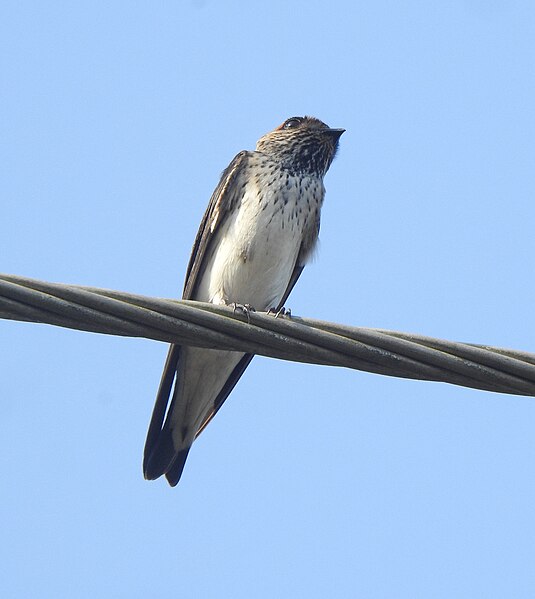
x=116, y=119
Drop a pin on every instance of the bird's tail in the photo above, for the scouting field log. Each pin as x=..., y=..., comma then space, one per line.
x=160, y=455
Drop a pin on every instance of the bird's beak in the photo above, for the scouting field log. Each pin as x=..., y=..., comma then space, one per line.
x=334, y=133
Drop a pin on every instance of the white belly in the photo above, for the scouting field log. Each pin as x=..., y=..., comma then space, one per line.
x=257, y=249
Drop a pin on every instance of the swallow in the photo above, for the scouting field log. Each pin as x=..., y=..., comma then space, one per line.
x=259, y=230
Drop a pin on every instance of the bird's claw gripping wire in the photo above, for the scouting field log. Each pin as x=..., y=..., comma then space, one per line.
x=280, y=312
x=244, y=309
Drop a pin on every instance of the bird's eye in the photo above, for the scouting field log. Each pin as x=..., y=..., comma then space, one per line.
x=292, y=123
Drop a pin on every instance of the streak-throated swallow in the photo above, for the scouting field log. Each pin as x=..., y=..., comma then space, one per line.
x=258, y=232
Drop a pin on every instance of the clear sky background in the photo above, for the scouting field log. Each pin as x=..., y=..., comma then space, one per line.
x=116, y=119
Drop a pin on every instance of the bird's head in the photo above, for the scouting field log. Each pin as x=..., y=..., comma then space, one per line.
x=302, y=144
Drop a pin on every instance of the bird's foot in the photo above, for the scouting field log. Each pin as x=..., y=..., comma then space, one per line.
x=280, y=312
x=244, y=309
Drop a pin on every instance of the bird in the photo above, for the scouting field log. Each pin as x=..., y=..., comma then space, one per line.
x=259, y=230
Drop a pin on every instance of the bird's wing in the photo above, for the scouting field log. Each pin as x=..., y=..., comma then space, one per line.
x=222, y=201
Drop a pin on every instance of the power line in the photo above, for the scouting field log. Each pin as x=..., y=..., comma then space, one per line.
x=297, y=339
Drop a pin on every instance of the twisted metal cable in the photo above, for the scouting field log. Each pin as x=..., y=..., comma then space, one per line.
x=299, y=339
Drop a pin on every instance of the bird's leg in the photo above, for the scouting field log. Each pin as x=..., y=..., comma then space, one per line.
x=280, y=312
x=244, y=309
